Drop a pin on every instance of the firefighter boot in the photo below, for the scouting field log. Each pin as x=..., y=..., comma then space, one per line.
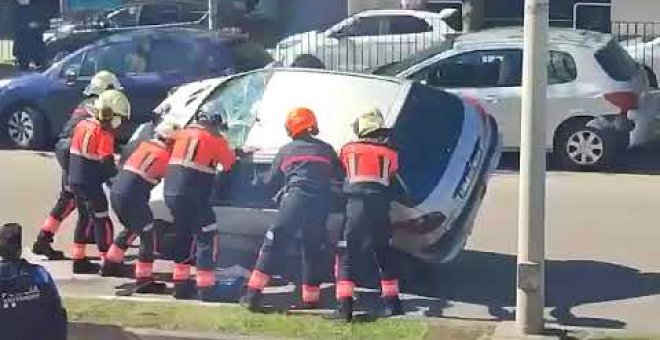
x=252, y=300
x=344, y=312
x=392, y=307
x=43, y=246
x=184, y=290
x=112, y=269
x=85, y=266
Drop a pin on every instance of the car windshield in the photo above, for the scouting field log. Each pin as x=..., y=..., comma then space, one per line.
x=395, y=68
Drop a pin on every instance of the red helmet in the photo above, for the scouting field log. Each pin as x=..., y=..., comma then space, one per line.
x=301, y=120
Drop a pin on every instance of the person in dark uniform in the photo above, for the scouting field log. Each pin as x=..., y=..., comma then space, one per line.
x=66, y=204
x=29, y=22
x=307, y=166
x=30, y=305
x=371, y=165
x=129, y=198
x=200, y=153
x=91, y=164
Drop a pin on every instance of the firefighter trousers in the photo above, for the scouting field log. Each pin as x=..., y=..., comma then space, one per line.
x=194, y=220
x=93, y=205
x=299, y=212
x=134, y=213
x=367, y=218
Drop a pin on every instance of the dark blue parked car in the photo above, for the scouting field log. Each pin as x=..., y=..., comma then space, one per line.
x=34, y=107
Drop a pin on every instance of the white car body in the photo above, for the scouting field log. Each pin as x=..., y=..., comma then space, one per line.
x=577, y=95
x=445, y=183
x=351, y=46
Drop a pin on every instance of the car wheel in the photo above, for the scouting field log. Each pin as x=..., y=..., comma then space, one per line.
x=25, y=128
x=584, y=148
x=308, y=61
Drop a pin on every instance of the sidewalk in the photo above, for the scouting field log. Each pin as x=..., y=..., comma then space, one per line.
x=95, y=287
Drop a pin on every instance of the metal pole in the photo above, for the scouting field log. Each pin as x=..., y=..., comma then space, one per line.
x=212, y=13
x=531, y=210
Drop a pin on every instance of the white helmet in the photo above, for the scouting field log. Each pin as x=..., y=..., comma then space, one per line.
x=368, y=122
x=102, y=80
x=112, y=106
x=166, y=129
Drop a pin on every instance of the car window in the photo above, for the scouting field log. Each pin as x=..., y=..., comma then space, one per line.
x=72, y=64
x=158, y=14
x=404, y=24
x=161, y=59
x=366, y=26
x=238, y=103
x=616, y=62
x=121, y=58
x=490, y=68
x=393, y=69
x=561, y=68
x=124, y=17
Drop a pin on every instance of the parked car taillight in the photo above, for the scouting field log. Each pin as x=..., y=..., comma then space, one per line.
x=625, y=101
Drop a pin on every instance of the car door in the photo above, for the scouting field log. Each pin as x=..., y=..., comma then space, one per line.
x=66, y=92
x=492, y=77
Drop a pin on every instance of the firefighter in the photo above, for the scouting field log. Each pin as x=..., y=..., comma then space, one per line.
x=30, y=306
x=91, y=164
x=199, y=153
x=371, y=165
x=129, y=198
x=307, y=166
x=65, y=204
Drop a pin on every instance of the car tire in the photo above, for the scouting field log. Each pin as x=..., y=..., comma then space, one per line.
x=24, y=127
x=582, y=148
x=308, y=61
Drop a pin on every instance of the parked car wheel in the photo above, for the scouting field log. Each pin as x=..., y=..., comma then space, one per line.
x=584, y=148
x=25, y=128
x=308, y=61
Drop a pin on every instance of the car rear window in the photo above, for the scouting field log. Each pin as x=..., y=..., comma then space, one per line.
x=426, y=133
x=616, y=62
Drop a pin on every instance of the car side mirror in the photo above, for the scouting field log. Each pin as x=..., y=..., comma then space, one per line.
x=71, y=76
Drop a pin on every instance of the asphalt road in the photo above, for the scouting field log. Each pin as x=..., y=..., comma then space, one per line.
x=603, y=266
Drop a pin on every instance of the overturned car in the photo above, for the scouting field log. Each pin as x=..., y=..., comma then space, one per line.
x=448, y=149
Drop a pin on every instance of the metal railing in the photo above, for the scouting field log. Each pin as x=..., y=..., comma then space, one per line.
x=354, y=52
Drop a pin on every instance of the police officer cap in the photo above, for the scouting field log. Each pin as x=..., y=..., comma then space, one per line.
x=10, y=241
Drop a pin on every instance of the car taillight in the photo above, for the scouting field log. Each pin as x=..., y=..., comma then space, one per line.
x=625, y=101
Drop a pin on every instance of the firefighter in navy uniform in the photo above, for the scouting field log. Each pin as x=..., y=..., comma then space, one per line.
x=65, y=204
x=129, y=198
x=91, y=164
x=307, y=165
x=201, y=154
x=30, y=306
x=371, y=165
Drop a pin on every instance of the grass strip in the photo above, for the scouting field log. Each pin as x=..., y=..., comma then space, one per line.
x=235, y=320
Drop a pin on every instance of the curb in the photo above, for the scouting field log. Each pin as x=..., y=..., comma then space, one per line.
x=87, y=331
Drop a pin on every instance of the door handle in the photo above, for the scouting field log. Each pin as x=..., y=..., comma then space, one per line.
x=492, y=99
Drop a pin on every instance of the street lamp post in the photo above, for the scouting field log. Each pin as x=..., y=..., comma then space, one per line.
x=531, y=209
x=212, y=13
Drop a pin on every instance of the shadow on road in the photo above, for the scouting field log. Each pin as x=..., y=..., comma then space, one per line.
x=488, y=279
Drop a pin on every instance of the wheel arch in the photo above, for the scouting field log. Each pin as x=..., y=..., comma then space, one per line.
x=584, y=119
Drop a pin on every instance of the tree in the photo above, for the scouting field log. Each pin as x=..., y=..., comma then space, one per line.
x=473, y=15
